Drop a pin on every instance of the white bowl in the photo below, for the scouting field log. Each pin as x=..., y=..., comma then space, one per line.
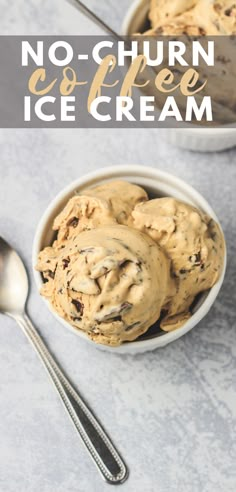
x=157, y=183
x=198, y=139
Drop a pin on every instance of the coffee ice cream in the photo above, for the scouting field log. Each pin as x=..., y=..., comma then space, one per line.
x=193, y=17
x=120, y=263
x=80, y=214
x=121, y=197
x=112, y=282
x=194, y=244
x=198, y=18
x=110, y=203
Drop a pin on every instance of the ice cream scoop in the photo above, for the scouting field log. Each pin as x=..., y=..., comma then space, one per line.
x=194, y=244
x=193, y=17
x=121, y=196
x=81, y=213
x=111, y=282
x=216, y=16
x=161, y=11
x=110, y=203
x=199, y=18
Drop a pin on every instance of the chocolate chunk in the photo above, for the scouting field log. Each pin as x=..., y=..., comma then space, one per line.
x=124, y=263
x=129, y=328
x=196, y=259
x=115, y=314
x=86, y=250
x=126, y=306
x=229, y=12
x=223, y=59
x=65, y=262
x=139, y=265
x=79, y=306
x=50, y=274
x=108, y=320
x=73, y=222
x=217, y=7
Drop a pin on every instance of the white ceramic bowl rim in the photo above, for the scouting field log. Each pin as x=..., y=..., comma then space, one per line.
x=123, y=172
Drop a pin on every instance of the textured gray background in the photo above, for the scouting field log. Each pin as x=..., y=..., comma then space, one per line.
x=172, y=413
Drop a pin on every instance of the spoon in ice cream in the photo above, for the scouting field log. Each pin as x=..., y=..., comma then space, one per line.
x=14, y=289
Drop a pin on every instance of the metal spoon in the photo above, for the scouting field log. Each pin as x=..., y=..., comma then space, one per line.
x=13, y=296
x=95, y=18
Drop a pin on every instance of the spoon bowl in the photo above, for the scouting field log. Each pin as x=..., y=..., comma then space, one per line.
x=13, y=281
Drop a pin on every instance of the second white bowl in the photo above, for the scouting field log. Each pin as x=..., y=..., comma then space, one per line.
x=197, y=139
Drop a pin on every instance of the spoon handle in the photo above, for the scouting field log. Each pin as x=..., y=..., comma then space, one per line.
x=94, y=17
x=101, y=449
